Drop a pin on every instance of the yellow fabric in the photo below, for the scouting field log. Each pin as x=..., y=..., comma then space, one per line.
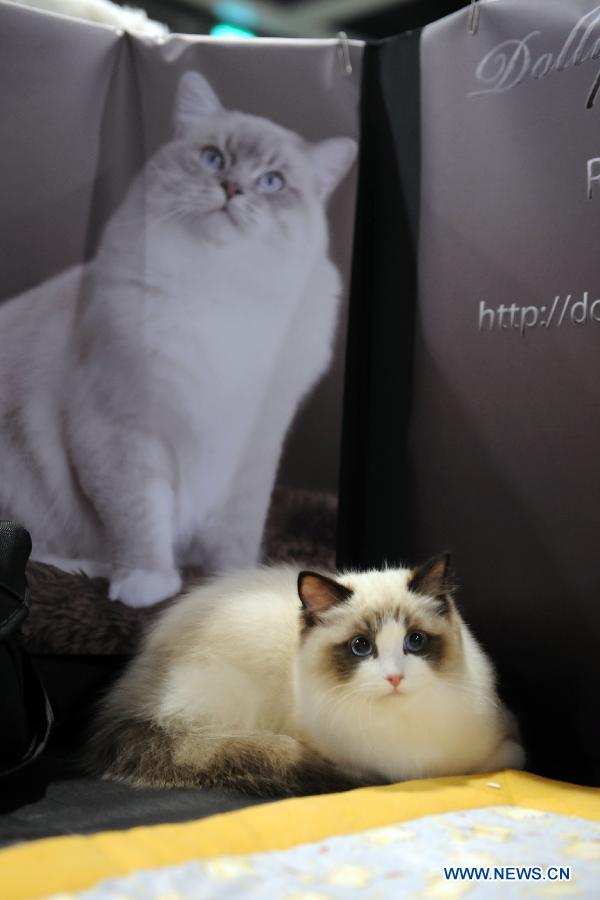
x=73, y=863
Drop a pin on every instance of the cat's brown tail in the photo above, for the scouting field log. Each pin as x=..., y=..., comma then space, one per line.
x=264, y=764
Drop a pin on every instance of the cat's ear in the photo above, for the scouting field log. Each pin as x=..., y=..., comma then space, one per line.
x=332, y=159
x=318, y=593
x=434, y=578
x=195, y=98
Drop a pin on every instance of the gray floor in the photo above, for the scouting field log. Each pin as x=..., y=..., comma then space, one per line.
x=53, y=796
x=81, y=804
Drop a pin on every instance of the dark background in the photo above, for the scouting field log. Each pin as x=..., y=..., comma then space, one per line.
x=523, y=520
x=303, y=18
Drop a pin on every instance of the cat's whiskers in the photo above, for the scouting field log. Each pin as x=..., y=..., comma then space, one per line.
x=148, y=222
x=171, y=215
x=369, y=709
x=338, y=698
x=331, y=703
x=471, y=692
x=328, y=698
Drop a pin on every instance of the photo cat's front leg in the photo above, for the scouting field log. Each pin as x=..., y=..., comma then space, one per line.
x=126, y=478
x=231, y=536
x=264, y=764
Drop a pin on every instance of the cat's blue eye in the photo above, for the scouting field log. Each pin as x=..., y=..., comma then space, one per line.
x=271, y=182
x=415, y=642
x=361, y=646
x=212, y=158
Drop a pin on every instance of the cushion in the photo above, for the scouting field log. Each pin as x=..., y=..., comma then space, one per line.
x=71, y=614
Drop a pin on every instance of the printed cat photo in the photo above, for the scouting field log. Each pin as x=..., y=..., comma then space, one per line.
x=277, y=683
x=146, y=395
x=103, y=12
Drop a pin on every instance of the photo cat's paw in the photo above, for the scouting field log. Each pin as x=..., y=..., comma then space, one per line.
x=141, y=587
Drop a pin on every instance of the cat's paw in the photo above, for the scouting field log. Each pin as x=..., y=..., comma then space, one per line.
x=508, y=755
x=141, y=587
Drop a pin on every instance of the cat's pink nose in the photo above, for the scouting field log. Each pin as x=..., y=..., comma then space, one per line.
x=231, y=188
x=394, y=679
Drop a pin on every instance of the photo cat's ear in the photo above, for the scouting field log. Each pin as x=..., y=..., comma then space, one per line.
x=332, y=160
x=318, y=593
x=195, y=98
x=434, y=579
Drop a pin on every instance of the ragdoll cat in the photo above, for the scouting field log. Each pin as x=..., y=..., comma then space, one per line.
x=103, y=12
x=280, y=684
x=144, y=398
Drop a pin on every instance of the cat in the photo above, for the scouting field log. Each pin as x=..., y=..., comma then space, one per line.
x=142, y=419
x=280, y=684
x=103, y=12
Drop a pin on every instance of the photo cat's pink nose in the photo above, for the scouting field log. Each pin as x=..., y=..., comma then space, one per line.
x=231, y=188
x=394, y=679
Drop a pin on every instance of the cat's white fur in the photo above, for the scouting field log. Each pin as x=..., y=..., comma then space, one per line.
x=102, y=12
x=229, y=658
x=144, y=398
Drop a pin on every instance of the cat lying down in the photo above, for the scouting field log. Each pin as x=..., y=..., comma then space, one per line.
x=280, y=684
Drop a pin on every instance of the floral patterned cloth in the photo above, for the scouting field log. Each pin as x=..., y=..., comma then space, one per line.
x=561, y=855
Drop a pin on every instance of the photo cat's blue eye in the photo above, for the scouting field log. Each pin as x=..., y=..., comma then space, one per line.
x=361, y=646
x=415, y=642
x=212, y=158
x=271, y=182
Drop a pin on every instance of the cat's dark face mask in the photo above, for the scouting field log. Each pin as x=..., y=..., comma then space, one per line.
x=384, y=635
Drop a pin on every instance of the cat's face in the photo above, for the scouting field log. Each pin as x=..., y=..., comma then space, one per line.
x=387, y=636
x=229, y=174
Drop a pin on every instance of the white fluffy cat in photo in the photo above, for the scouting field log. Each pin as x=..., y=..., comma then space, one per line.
x=145, y=397
x=102, y=12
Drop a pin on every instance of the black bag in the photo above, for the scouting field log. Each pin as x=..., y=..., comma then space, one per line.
x=25, y=712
